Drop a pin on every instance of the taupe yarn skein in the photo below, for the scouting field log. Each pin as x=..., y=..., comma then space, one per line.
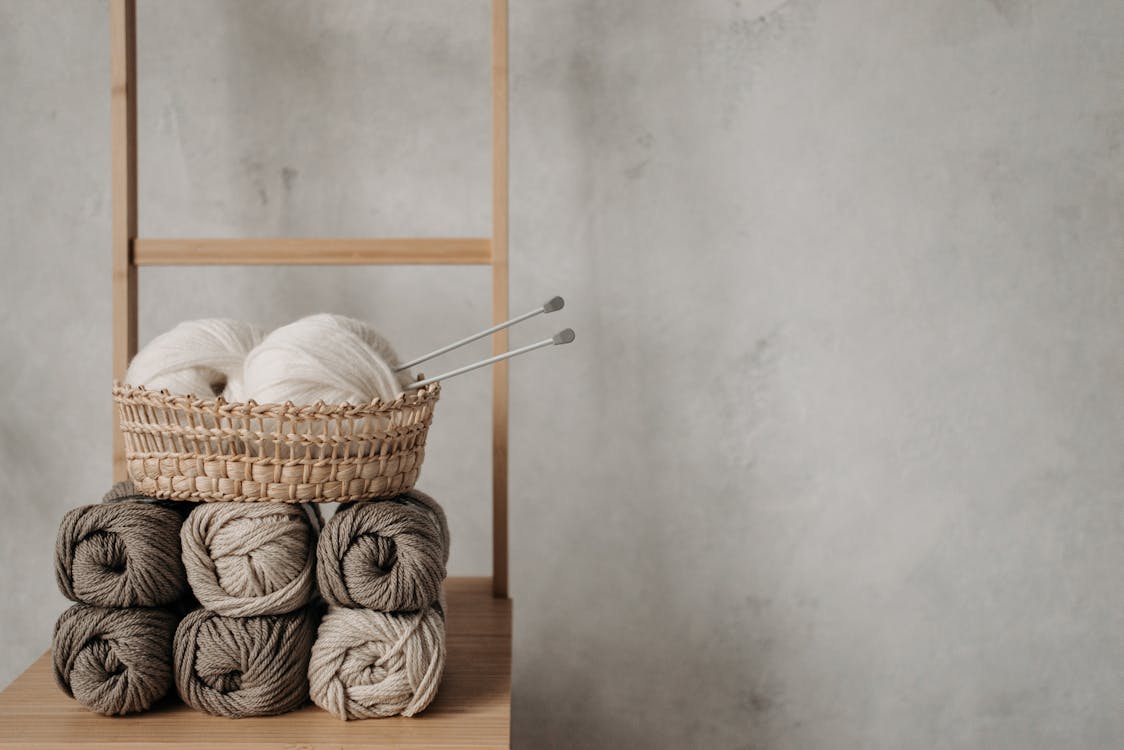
x=387, y=556
x=247, y=559
x=125, y=554
x=114, y=661
x=244, y=666
x=374, y=664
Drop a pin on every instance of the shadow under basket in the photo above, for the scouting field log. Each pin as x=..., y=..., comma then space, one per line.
x=211, y=450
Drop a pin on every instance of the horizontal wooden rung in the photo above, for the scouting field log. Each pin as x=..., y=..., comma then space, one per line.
x=312, y=252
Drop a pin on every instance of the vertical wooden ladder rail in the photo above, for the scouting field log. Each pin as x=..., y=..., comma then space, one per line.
x=131, y=251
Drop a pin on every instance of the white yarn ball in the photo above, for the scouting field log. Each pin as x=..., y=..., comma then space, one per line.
x=326, y=358
x=197, y=357
x=373, y=339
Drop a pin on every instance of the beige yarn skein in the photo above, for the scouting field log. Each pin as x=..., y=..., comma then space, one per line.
x=375, y=664
x=245, y=559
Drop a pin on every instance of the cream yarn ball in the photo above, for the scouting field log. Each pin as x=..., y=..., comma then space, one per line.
x=198, y=357
x=368, y=664
x=329, y=358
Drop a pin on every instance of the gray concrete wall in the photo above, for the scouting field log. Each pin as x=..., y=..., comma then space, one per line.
x=836, y=460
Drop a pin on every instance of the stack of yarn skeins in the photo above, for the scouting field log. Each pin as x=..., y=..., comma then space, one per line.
x=252, y=568
x=120, y=561
x=263, y=574
x=381, y=647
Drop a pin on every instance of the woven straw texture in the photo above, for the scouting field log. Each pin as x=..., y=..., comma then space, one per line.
x=185, y=448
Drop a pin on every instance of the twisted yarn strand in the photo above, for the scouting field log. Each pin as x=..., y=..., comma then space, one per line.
x=113, y=661
x=244, y=666
x=420, y=499
x=124, y=554
x=388, y=556
x=247, y=559
x=369, y=664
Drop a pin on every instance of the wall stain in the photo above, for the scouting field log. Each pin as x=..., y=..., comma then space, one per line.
x=760, y=702
x=1015, y=12
x=638, y=167
x=288, y=178
x=964, y=22
x=746, y=41
x=749, y=397
x=255, y=171
x=636, y=171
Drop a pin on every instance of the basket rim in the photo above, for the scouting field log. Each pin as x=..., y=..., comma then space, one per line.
x=123, y=393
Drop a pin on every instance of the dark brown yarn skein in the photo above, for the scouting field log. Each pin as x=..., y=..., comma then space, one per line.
x=387, y=556
x=114, y=661
x=244, y=666
x=124, y=554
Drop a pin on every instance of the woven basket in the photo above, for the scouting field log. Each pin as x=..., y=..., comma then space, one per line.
x=186, y=448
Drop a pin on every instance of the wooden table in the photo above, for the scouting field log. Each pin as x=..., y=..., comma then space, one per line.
x=472, y=709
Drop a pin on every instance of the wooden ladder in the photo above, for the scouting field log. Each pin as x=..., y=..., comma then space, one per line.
x=473, y=706
x=131, y=252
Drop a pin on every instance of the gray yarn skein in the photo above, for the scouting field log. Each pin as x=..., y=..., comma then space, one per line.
x=248, y=559
x=113, y=661
x=125, y=554
x=375, y=664
x=387, y=556
x=244, y=666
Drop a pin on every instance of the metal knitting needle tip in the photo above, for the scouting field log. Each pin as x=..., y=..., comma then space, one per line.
x=551, y=305
x=562, y=337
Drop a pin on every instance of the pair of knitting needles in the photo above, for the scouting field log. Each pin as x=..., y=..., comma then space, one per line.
x=562, y=337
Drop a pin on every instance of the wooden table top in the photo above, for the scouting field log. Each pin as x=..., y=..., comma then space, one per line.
x=472, y=708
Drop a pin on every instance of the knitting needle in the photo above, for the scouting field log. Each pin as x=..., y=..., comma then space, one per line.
x=551, y=305
x=562, y=337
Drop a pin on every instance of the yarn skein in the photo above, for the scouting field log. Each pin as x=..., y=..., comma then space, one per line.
x=388, y=555
x=369, y=664
x=244, y=666
x=246, y=559
x=322, y=357
x=202, y=358
x=125, y=554
x=113, y=661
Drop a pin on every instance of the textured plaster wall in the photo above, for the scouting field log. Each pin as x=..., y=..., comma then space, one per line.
x=836, y=460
